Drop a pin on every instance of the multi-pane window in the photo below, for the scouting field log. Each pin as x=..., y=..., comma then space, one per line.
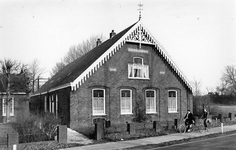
x=126, y=101
x=172, y=101
x=98, y=101
x=150, y=96
x=11, y=106
x=138, y=70
x=4, y=107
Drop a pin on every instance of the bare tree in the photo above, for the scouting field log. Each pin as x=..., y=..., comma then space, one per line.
x=228, y=81
x=76, y=51
x=197, y=87
x=35, y=73
x=8, y=70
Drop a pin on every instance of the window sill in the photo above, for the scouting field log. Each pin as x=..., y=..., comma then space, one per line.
x=151, y=113
x=98, y=114
x=173, y=112
x=138, y=78
x=126, y=113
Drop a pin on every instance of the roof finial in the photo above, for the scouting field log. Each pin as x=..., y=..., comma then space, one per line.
x=140, y=9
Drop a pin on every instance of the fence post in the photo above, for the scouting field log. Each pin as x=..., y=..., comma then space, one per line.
x=108, y=123
x=222, y=127
x=156, y=126
x=230, y=116
x=176, y=123
x=131, y=128
x=62, y=134
x=12, y=139
x=99, y=130
x=221, y=118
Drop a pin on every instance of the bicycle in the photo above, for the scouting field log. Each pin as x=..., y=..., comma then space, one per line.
x=183, y=128
x=202, y=127
x=197, y=125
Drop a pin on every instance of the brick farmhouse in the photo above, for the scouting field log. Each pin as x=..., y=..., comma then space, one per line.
x=128, y=74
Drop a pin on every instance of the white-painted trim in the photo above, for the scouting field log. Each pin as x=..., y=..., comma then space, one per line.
x=14, y=93
x=164, y=53
x=102, y=59
x=116, y=46
x=176, y=93
x=4, y=107
x=131, y=100
x=12, y=106
x=112, y=50
x=155, y=101
x=104, y=102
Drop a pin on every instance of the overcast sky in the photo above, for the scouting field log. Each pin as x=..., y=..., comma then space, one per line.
x=199, y=35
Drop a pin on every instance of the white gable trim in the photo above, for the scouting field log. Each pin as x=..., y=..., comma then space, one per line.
x=127, y=37
x=102, y=59
x=164, y=53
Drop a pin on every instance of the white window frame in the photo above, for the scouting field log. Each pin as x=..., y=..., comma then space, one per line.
x=150, y=111
x=172, y=110
x=144, y=70
x=4, y=107
x=53, y=104
x=12, y=106
x=104, y=100
x=130, y=102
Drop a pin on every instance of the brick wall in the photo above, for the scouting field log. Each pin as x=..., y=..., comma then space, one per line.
x=21, y=107
x=113, y=76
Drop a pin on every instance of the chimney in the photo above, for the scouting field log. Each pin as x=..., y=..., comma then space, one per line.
x=112, y=34
x=98, y=42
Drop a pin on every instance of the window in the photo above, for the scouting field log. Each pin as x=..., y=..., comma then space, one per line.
x=98, y=102
x=172, y=101
x=4, y=108
x=138, y=70
x=11, y=107
x=150, y=96
x=126, y=101
x=53, y=104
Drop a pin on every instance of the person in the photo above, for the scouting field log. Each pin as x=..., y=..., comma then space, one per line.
x=204, y=117
x=189, y=119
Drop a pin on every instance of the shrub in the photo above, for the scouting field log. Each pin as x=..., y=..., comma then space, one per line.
x=140, y=112
x=35, y=128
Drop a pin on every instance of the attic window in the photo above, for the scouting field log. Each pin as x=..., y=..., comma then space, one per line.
x=138, y=70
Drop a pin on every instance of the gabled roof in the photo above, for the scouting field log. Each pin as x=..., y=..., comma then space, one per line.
x=76, y=73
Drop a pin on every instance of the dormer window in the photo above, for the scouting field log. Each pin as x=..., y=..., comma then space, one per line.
x=138, y=70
